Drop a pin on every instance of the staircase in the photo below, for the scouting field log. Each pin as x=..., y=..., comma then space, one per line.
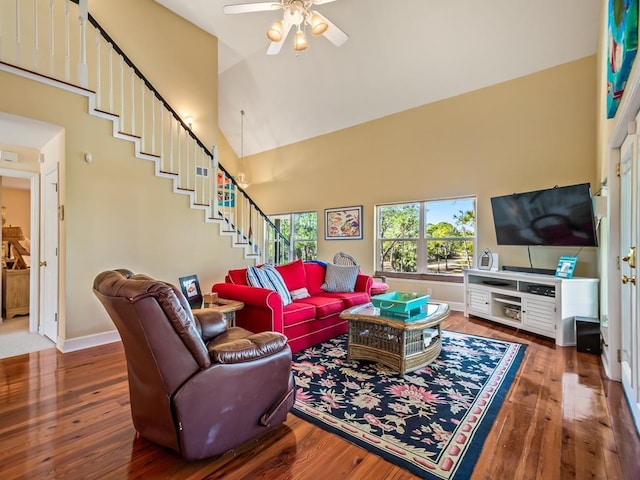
x=39, y=39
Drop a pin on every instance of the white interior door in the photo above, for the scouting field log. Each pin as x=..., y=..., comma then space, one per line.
x=49, y=257
x=629, y=354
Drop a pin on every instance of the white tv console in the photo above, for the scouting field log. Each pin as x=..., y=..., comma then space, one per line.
x=542, y=304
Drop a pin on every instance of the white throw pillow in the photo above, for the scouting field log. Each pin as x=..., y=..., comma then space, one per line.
x=340, y=278
x=299, y=293
x=268, y=277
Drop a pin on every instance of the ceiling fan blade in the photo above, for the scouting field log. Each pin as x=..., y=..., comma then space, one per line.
x=321, y=2
x=251, y=7
x=334, y=34
x=275, y=47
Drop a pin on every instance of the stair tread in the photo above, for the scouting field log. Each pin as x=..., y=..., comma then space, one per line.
x=132, y=135
x=106, y=112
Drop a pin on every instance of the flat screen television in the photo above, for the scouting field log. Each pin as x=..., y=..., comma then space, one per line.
x=559, y=216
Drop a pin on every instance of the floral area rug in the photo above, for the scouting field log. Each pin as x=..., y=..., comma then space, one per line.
x=432, y=421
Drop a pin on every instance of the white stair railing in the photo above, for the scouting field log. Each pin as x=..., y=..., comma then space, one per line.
x=31, y=34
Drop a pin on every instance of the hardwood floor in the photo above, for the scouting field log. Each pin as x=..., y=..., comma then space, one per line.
x=67, y=416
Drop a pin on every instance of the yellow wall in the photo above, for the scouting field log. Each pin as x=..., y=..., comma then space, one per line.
x=533, y=132
x=18, y=202
x=118, y=214
x=178, y=58
x=227, y=156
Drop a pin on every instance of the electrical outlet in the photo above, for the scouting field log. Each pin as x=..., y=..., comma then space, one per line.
x=428, y=291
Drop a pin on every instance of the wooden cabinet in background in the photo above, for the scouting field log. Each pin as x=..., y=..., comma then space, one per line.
x=15, y=292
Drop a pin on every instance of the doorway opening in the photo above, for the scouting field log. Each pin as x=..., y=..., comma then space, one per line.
x=19, y=330
x=32, y=152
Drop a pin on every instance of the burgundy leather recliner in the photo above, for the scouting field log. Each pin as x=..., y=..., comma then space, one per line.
x=196, y=386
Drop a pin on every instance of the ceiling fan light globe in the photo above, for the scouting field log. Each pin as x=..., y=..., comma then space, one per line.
x=275, y=31
x=300, y=42
x=318, y=26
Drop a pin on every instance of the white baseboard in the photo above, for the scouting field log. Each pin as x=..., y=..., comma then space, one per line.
x=453, y=306
x=456, y=306
x=88, y=341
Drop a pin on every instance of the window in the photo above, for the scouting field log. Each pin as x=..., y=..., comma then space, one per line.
x=434, y=237
x=301, y=229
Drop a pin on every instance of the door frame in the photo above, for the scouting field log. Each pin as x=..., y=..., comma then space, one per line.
x=628, y=293
x=34, y=274
x=50, y=211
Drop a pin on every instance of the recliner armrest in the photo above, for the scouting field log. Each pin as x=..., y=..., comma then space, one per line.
x=253, y=347
x=209, y=323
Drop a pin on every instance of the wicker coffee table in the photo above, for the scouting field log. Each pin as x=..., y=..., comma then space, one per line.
x=402, y=344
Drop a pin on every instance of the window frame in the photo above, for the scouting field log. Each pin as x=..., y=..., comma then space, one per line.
x=291, y=234
x=422, y=241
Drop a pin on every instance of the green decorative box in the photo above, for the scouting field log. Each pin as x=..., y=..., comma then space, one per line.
x=399, y=302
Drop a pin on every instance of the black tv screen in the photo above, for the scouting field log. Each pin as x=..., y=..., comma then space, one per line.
x=559, y=216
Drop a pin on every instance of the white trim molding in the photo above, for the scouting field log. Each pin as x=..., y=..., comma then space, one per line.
x=87, y=341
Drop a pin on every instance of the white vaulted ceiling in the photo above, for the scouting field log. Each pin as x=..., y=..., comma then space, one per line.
x=400, y=54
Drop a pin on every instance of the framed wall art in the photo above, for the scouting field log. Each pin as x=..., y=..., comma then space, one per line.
x=226, y=198
x=226, y=192
x=622, y=48
x=343, y=223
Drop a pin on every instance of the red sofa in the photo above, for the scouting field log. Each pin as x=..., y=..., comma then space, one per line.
x=304, y=322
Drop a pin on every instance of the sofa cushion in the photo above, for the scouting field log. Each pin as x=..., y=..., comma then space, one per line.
x=315, y=276
x=293, y=274
x=268, y=277
x=297, y=312
x=325, y=306
x=350, y=299
x=238, y=276
x=340, y=278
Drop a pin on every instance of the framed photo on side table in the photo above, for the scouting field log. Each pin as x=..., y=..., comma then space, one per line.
x=343, y=223
x=566, y=266
x=191, y=289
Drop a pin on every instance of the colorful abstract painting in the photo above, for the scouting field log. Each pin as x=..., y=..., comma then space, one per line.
x=343, y=223
x=623, y=45
x=226, y=191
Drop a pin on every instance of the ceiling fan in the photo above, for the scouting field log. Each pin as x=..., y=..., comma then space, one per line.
x=297, y=13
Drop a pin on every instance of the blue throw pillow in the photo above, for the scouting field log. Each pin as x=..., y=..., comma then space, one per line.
x=268, y=277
